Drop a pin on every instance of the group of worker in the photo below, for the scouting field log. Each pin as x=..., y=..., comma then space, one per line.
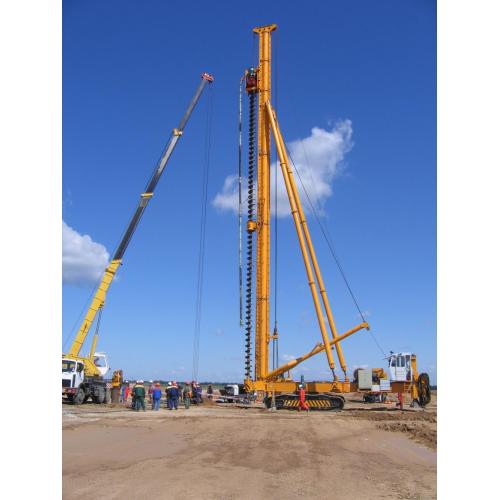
x=189, y=392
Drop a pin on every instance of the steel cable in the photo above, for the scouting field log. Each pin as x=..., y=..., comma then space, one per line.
x=275, y=340
x=201, y=250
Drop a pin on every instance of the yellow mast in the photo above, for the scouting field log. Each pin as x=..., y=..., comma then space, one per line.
x=266, y=122
x=262, y=336
x=275, y=381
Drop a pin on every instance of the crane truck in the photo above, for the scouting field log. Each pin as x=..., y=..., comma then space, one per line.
x=83, y=376
x=275, y=385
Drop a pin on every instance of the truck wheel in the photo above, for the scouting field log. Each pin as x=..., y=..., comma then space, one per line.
x=99, y=395
x=79, y=397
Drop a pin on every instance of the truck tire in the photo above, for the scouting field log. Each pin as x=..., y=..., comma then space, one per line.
x=424, y=390
x=99, y=395
x=79, y=397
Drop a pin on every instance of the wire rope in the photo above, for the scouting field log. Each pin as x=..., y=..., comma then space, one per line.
x=276, y=95
x=201, y=248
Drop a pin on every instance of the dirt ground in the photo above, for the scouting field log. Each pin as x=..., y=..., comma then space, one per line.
x=222, y=452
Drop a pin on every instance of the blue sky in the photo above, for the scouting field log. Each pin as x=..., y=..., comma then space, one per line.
x=362, y=74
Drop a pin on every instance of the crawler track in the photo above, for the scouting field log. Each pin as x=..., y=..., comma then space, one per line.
x=316, y=402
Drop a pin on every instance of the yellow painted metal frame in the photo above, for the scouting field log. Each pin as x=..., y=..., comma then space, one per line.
x=97, y=302
x=267, y=121
x=262, y=336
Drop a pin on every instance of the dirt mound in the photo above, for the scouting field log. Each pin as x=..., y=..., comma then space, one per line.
x=378, y=415
x=421, y=432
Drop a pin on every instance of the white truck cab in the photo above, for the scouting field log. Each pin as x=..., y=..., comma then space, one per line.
x=400, y=369
x=73, y=375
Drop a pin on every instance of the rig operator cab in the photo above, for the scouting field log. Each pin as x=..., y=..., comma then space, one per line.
x=400, y=369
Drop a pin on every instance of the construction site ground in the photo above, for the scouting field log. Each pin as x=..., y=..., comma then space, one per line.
x=217, y=451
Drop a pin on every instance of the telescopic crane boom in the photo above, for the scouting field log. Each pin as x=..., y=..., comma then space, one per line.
x=91, y=369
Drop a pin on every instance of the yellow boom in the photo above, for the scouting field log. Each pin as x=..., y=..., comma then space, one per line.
x=100, y=295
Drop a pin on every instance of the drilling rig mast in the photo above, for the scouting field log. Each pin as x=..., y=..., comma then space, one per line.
x=320, y=395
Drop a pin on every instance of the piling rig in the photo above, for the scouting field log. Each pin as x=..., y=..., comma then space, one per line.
x=275, y=386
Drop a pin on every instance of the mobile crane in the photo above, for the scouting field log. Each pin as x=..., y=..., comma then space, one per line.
x=83, y=376
x=275, y=387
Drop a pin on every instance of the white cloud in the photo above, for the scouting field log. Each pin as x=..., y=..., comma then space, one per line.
x=288, y=357
x=227, y=199
x=317, y=158
x=83, y=260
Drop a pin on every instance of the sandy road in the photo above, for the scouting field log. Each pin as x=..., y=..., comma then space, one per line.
x=226, y=453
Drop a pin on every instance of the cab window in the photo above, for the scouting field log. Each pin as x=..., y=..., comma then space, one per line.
x=79, y=368
x=393, y=361
x=68, y=366
x=401, y=362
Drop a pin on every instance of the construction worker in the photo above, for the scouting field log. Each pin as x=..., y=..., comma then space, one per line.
x=139, y=395
x=127, y=391
x=302, y=399
x=150, y=392
x=133, y=397
x=196, y=392
x=186, y=394
x=174, y=396
x=210, y=391
x=156, y=397
x=167, y=391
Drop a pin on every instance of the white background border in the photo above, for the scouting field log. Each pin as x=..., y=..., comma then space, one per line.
x=30, y=249
x=468, y=247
